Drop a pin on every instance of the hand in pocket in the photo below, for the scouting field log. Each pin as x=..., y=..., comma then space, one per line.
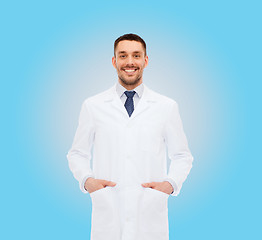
x=92, y=184
x=164, y=187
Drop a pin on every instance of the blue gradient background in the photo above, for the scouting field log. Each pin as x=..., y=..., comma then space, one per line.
x=204, y=54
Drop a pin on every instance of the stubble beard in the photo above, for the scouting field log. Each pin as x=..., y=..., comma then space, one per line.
x=130, y=83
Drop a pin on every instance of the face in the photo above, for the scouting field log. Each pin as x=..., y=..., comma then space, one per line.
x=129, y=62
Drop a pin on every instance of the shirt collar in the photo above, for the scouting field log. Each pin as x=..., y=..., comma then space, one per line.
x=120, y=90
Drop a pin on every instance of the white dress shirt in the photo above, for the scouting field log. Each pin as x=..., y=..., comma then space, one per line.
x=121, y=93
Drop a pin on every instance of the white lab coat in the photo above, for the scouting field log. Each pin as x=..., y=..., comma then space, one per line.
x=130, y=151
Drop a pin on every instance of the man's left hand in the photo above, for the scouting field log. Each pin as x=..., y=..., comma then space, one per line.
x=165, y=186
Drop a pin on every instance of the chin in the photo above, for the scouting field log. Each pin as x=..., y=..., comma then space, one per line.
x=130, y=82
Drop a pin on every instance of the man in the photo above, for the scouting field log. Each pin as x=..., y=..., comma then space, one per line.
x=129, y=127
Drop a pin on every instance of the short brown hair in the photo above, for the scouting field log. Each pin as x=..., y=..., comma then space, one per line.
x=130, y=37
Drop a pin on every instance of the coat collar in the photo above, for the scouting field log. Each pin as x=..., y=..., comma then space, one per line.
x=144, y=103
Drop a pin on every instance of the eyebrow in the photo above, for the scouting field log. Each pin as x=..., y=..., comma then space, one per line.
x=125, y=52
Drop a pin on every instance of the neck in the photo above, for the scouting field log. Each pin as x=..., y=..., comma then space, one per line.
x=130, y=87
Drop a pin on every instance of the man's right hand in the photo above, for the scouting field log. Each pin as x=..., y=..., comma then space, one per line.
x=93, y=184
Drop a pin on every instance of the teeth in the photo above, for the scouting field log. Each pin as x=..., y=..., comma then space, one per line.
x=131, y=70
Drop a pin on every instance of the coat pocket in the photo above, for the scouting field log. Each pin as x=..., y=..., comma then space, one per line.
x=105, y=221
x=153, y=211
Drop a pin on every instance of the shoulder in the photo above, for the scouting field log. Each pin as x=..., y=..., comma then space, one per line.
x=160, y=98
x=100, y=97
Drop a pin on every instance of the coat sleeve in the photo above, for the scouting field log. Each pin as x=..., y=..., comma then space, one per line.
x=79, y=156
x=178, y=151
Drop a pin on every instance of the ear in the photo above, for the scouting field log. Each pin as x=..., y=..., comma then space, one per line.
x=114, y=61
x=146, y=60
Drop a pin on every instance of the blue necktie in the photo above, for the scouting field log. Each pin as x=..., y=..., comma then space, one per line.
x=129, y=104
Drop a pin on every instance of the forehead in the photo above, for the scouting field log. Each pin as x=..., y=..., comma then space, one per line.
x=129, y=46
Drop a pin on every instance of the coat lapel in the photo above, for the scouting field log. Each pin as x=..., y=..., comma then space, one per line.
x=115, y=101
x=144, y=103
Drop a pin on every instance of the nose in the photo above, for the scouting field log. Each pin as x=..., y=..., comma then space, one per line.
x=129, y=60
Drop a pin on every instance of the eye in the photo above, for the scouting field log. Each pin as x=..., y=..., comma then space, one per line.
x=122, y=56
x=137, y=56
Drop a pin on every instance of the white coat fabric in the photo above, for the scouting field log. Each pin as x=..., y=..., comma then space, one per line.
x=130, y=151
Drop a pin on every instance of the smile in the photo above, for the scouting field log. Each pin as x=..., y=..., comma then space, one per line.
x=130, y=70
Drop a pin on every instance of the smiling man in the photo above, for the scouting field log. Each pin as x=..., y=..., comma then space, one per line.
x=129, y=127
